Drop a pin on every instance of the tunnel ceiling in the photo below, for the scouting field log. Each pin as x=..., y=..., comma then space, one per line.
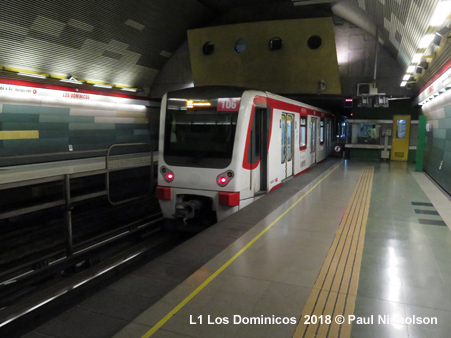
x=128, y=42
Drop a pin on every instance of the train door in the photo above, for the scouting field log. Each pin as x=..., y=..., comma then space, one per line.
x=313, y=137
x=263, y=117
x=287, y=126
x=328, y=139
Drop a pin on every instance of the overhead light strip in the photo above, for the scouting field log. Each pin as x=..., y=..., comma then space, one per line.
x=35, y=75
x=441, y=13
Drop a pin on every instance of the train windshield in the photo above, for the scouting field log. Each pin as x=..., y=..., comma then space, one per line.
x=200, y=133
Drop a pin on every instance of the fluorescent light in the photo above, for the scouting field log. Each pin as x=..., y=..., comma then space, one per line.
x=426, y=41
x=417, y=58
x=102, y=86
x=71, y=80
x=403, y=84
x=406, y=77
x=39, y=76
x=441, y=13
x=411, y=69
x=129, y=89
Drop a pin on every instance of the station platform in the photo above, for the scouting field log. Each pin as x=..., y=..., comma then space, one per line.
x=348, y=249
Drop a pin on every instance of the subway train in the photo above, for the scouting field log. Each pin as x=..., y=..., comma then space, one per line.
x=220, y=148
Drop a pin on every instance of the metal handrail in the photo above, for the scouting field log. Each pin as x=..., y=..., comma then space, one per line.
x=108, y=170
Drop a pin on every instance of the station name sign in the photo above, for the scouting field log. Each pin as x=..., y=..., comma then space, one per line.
x=31, y=92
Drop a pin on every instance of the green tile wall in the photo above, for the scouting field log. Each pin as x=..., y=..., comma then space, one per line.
x=437, y=159
x=58, y=129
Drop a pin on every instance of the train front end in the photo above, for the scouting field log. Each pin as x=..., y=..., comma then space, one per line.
x=197, y=171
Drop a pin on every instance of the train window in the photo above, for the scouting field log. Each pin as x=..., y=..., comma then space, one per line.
x=321, y=131
x=199, y=138
x=282, y=126
x=253, y=155
x=303, y=133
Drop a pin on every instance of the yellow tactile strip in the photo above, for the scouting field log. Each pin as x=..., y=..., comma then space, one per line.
x=335, y=289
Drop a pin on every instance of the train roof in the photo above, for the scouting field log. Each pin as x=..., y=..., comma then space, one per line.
x=212, y=92
x=208, y=92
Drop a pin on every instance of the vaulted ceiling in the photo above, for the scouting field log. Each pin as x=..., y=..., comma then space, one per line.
x=127, y=43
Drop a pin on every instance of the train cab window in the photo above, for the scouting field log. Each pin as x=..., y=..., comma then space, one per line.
x=303, y=133
x=199, y=137
x=321, y=131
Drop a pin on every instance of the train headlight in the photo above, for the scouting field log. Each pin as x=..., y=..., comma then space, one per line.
x=167, y=174
x=224, y=178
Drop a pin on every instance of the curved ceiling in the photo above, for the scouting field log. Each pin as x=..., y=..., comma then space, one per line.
x=113, y=42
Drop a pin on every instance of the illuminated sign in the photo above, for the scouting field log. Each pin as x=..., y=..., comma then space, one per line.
x=25, y=92
x=192, y=104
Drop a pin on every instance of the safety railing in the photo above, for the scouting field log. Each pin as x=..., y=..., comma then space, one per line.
x=120, y=160
x=131, y=157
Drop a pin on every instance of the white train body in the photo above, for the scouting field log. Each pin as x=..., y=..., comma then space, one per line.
x=221, y=147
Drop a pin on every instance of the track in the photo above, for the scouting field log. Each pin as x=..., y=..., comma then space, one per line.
x=32, y=295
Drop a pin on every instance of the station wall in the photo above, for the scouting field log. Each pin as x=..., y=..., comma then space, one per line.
x=437, y=160
x=295, y=68
x=396, y=107
x=31, y=133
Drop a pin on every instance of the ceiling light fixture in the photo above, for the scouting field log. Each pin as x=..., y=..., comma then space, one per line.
x=417, y=58
x=71, y=79
x=129, y=89
x=103, y=86
x=36, y=75
x=403, y=84
x=426, y=41
x=441, y=12
x=411, y=69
